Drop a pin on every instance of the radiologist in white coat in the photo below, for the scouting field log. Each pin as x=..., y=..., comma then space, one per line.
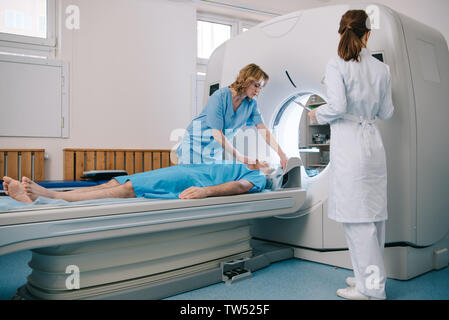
x=359, y=92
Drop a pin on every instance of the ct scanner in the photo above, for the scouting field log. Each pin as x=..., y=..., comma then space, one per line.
x=294, y=50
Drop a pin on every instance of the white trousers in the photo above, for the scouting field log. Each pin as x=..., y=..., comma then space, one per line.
x=366, y=246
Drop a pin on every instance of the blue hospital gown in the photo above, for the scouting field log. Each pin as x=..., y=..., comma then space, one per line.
x=168, y=183
x=198, y=144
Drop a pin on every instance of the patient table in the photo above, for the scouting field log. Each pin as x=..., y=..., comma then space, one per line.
x=140, y=248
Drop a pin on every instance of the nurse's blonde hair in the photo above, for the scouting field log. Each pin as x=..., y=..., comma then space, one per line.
x=250, y=74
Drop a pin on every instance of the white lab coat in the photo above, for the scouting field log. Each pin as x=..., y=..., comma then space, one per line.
x=357, y=94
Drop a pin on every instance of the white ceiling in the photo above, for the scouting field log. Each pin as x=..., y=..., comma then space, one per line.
x=279, y=6
x=257, y=9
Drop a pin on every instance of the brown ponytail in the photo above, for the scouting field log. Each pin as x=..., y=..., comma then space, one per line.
x=353, y=26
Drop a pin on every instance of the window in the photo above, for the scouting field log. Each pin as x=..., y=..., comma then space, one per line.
x=211, y=35
x=27, y=22
x=212, y=31
x=27, y=32
x=21, y=23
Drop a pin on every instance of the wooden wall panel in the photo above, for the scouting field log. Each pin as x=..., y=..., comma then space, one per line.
x=69, y=165
x=26, y=164
x=129, y=160
x=165, y=161
x=39, y=166
x=156, y=160
x=79, y=164
x=100, y=164
x=120, y=160
x=12, y=169
x=110, y=160
x=17, y=163
x=138, y=161
x=133, y=161
x=148, y=161
x=90, y=161
x=2, y=164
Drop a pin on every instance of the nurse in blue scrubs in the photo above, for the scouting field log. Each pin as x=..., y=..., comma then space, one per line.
x=228, y=109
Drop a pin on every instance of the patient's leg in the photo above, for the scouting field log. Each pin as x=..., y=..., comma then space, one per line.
x=52, y=194
x=33, y=190
x=109, y=184
x=40, y=191
x=15, y=190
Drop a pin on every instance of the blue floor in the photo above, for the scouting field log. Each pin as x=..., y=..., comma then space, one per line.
x=288, y=280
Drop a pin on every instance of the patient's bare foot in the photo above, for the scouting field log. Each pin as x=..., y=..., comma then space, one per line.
x=34, y=191
x=5, y=186
x=16, y=190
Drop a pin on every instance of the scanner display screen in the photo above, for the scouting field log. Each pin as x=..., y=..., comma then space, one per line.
x=379, y=56
x=213, y=88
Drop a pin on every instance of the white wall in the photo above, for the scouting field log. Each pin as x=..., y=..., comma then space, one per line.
x=132, y=63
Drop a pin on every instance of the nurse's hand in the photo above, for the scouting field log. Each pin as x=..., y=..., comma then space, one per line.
x=312, y=115
x=194, y=193
x=284, y=160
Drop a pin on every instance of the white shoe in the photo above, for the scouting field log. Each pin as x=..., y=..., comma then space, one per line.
x=350, y=281
x=352, y=293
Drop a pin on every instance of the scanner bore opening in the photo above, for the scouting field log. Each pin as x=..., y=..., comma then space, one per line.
x=299, y=137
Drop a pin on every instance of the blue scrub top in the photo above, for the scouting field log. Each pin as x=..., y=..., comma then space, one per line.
x=198, y=145
x=168, y=183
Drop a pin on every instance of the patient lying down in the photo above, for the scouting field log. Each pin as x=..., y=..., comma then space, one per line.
x=191, y=181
